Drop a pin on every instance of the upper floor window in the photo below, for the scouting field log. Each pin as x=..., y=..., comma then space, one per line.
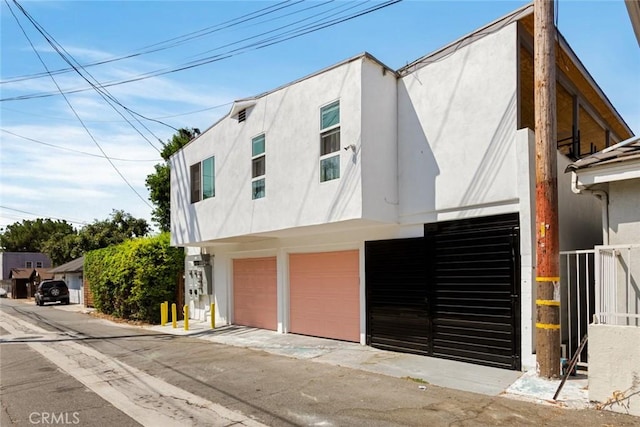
x=258, y=167
x=330, y=142
x=28, y=264
x=195, y=183
x=38, y=264
x=203, y=180
x=208, y=178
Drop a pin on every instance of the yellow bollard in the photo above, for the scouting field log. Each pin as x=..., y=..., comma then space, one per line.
x=162, y=322
x=174, y=316
x=213, y=315
x=166, y=313
x=186, y=317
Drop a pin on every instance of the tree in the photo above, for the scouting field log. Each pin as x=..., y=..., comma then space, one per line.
x=119, y=227
x=158, y=183
x=31, y=235
x=62, y=243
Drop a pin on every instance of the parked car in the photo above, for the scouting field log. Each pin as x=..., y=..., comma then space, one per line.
x=52, y=291
x=3, y=293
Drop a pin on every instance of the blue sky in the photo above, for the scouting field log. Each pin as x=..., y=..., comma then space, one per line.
x=39, y=180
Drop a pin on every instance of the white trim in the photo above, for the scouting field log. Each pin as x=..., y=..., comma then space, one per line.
x=605, y=173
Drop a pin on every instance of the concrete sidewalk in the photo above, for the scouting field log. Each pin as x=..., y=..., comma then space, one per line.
x=421, y=369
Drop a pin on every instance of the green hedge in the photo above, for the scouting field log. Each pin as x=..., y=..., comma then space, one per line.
x=131, y=279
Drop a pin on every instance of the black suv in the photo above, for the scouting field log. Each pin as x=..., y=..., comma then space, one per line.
x=52, y=291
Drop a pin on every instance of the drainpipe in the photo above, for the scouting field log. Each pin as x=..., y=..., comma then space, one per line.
x=604, y=201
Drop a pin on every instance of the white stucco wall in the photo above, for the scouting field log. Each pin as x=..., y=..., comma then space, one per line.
x=456, y=126
x=295, y=197
x=624, y=212
x=614, y=367
x=379, y=139
x=579, y=215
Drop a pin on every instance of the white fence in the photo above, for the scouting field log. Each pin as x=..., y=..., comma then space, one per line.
x=577, y=280
x=76, y=296
x=617, y=299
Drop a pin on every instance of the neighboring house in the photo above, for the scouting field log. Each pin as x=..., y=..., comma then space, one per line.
x=613, y=176
x=24, y=281
x=28, y=260
x=390, y=208
x=71, y=273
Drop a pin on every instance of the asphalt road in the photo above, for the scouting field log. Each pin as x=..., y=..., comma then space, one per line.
x=270, y=389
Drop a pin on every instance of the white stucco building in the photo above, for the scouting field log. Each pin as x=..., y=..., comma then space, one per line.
x=389, y=207
x=613, y=176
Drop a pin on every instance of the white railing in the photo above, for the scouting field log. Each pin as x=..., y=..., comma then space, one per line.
x=617, y=285
x=577, y=281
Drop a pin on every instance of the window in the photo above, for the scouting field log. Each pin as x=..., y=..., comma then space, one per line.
x=330, y=142
x=258, y=167
x=203, y=180
x=38, y=264
x=195, y=183
x=208, y=178
x=28, y=264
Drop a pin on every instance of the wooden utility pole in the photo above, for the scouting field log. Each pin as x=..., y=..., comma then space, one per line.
x=547, y=269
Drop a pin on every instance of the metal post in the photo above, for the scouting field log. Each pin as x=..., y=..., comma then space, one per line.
x=185, y=310
x=165, y=312
x=547, y=274
x=174, y=316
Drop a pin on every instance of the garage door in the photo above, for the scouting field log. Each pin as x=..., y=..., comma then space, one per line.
x=325, y=295
x=473, y=277
x=255, y=292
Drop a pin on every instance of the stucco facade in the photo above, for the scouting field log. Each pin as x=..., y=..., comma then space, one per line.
x=436, y=141
x=289, y=118
x=9, y=260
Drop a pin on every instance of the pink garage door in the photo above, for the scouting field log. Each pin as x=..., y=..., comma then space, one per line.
x=255, y=293
x=325, y=295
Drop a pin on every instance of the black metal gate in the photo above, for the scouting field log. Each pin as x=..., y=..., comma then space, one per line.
x=452, y=294
x=397, y=310
x=474, y=283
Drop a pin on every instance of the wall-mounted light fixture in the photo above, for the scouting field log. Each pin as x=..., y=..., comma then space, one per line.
x=352, y=146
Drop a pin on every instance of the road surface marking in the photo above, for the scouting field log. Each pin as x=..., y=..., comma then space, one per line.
x=147, y=399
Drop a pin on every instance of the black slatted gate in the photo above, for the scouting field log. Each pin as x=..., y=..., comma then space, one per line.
x=397, y=312
x=474, y=282
x=452, y=294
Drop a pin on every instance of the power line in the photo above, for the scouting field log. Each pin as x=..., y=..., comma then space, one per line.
x=80, y=152
x=106, y=96
x=186, y=37
x=117, y=121
x=72, y=109
x=273, y=40
x=44, y=216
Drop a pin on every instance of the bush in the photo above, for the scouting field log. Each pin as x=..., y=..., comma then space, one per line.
x=132, y=279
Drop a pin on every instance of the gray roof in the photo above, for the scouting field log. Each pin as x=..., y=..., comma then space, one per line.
x=73, y=266
x=624, y=151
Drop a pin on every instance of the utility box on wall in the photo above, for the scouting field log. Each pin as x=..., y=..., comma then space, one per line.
x=198, y=276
